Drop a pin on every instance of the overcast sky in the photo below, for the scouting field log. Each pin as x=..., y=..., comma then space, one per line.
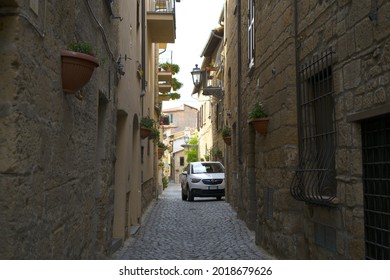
x=194, y=21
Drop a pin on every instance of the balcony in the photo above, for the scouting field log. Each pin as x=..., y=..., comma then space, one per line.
x=161, y=21
x=164, y=75
x=212, y=82
x=164, y=87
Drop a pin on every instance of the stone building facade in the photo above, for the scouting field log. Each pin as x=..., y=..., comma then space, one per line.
x=57, y=155
x=72, y=176
x=316, y=185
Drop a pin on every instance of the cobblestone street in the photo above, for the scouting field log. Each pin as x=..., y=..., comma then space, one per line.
x=203, y=229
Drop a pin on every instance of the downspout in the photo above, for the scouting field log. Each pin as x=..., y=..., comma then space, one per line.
x=143, y=53
x=297, y=75
x=239, y=111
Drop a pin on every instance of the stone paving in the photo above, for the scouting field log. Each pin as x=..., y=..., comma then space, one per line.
x=173, y=229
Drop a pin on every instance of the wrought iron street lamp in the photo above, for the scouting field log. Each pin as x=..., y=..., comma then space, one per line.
x=196, y=75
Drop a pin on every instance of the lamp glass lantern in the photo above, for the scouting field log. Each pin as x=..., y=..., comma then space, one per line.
x=196, y=75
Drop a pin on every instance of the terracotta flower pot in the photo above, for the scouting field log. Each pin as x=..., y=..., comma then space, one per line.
x=260, y=125
x=77, y=69
x=145, y=132
x=160, y=152
x=227, y=140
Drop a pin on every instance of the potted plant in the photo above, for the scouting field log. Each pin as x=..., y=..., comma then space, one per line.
x=147, y=125
x=170, y=67
x=259, y=118
x=174, y=95
x=227, y=135
x=161, y=148
x=155, y=134
x=175, y=68
x=166, y=66
x=78, y=64
x=176, y=84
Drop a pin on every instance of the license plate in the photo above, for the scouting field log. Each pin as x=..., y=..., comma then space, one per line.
x=213, y=188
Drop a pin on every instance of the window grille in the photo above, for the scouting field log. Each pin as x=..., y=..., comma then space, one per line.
x=251, y=33
x=315, y=176
x=376, y=186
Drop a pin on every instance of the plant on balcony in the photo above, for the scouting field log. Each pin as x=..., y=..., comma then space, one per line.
x=174, y=95
x=176, y=84
x=227, y=135
x=78, y=64
x=259, y=118
x=170, y=67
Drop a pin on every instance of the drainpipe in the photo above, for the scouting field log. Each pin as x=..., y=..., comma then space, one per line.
x=297, y=77
x=143, y=53
x=239, y=111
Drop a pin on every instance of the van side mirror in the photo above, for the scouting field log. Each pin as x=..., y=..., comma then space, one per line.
x=184, y=173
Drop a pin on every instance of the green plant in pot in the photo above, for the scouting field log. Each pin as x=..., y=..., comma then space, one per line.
x=81, y=47
x=170, y=67
x=147, y=125
x=258, y=117
x=176, y=84
x=227, y=135
x=78, y=65
x=174, y=95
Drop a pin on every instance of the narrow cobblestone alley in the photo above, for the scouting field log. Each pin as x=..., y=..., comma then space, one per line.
x=203, y=229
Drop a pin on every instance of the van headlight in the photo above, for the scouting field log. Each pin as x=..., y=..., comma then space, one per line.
x=195, y=180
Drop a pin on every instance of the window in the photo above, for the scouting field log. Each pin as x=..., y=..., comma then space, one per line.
x=251, y=33
x=171, y=118
x=315, y=176
x=181, y=161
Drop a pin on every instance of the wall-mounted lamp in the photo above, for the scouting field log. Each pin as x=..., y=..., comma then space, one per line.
x=196, y=75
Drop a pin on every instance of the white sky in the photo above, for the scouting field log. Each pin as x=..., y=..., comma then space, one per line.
x=194, y=21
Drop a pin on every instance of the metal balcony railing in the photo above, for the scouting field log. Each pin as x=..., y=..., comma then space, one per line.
x=162, y=6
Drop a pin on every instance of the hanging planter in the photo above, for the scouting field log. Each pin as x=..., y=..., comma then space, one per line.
x=227, y=140
x=160, y=152
x=258, y=118
x=77, y=66
x=227, y=135
x=146, y=126
x=260, y=125
x=145, y=132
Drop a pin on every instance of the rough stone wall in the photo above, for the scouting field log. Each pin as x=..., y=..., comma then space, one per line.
x=261, y=166
x=56, y=200
x=273, y=156
x=360, y=73
x=286, y=227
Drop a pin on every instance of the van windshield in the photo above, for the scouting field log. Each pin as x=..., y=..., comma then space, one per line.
x=207, y=167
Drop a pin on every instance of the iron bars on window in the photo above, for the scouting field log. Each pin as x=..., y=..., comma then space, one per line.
x=315, y=176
